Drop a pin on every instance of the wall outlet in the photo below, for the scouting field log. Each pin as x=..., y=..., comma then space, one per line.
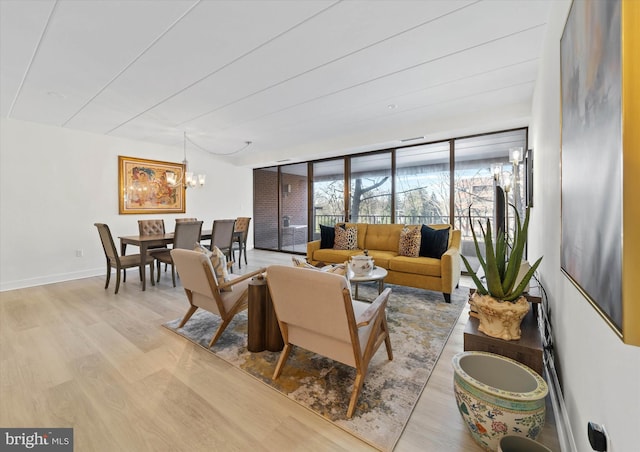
x=79, y=253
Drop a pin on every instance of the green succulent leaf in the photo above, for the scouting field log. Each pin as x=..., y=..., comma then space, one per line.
x=479, y=286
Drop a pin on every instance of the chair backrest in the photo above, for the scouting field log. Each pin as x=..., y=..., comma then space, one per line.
x=187, y=234
x=198, y=279
x=222, y=234
x=313, y=307
x=151, y=227
x=242, y=225
x=179, y=220
x=108, y=246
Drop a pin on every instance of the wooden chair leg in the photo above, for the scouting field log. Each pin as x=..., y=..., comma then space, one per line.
x=158, y=269
x=151, y=273
x=387, y=340
x=223, y=326
x=357, y=387
x=284, y=355
x=108, y=275
x=188, y=315
x=124, y=274
x=118, y=278
x=244, y=245
x=173, y=274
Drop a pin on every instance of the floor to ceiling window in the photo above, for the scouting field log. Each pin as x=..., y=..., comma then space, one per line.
x=370, y=188
x=482, y=163
x=328, y=194
x=294, y=207
x=423, y=184
x=416, y=184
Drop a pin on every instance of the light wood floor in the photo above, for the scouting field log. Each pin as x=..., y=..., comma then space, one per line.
x=75, y=355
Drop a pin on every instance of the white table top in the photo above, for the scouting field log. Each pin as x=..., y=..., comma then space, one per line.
x=376, y=274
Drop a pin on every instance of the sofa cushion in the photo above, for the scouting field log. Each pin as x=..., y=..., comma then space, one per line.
x=384, y=237
x=346, y=239
x=330, y=255
x=409, y=244
x=382, y=258
x=327, y=236
x=434, y=243
x=416, y=265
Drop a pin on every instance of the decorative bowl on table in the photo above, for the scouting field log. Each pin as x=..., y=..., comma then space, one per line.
x=361, y=265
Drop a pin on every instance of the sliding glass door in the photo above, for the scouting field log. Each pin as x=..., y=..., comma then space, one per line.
x=294, y=207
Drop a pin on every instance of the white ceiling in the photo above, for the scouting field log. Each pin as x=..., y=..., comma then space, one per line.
x=300, y=79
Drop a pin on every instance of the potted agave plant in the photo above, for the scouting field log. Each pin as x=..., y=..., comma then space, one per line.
x=500, y=303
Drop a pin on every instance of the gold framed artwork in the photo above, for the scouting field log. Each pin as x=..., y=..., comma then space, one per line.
x=143, y=186
x=600, y=164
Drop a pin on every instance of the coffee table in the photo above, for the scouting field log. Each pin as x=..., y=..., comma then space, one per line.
x=377, y=274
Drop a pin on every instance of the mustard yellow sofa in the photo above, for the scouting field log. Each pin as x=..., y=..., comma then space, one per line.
x=382, y=243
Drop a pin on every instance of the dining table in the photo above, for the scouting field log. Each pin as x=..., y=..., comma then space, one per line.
x=145, y=242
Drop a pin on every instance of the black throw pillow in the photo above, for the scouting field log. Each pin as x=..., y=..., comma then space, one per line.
x=327, y=236
x=434, y=243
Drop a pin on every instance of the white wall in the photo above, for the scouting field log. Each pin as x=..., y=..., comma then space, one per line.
x=56, y=183
x=601, y=375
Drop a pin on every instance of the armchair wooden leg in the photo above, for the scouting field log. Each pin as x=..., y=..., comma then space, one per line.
x=188, y=315
x=357, y=387
x=223, y=326
x=283, y=359
x=173, y=274
x=447, y=297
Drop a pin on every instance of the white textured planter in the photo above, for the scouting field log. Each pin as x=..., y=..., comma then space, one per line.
x=498, y=396
x=500, y=319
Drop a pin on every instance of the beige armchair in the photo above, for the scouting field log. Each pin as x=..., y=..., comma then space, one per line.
x=203, y=290
x=315, y=311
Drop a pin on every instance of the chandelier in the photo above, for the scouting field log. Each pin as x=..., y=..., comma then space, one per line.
x=191, y=180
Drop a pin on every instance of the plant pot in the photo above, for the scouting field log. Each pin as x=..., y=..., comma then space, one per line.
x=500, y=319
x=512, y=443
x=497, y=396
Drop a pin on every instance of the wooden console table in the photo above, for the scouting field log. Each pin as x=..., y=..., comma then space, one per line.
x=528, y=350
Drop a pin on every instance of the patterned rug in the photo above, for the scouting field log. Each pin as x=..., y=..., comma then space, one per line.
x=419, y=323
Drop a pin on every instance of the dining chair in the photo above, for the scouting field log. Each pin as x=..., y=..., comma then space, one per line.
x=315, y=311
x=152, y=227
x=205, y=291
x=241, y=233
x=180, y=220
x=222, y=237
x=186, y=236
x=121, y=263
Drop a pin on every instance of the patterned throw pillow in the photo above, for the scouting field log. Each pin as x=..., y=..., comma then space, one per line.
x=346, y=239
x=409, y=242
x=219, y=263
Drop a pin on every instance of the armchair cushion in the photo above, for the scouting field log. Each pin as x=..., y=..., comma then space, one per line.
x=434, y=242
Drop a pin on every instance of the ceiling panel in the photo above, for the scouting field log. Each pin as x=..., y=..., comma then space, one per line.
x=296, y=78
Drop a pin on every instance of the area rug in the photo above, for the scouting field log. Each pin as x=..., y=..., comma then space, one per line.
x=419, y=324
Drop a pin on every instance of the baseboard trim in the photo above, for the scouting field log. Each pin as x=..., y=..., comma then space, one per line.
x=50, y=279
x=563, y=425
